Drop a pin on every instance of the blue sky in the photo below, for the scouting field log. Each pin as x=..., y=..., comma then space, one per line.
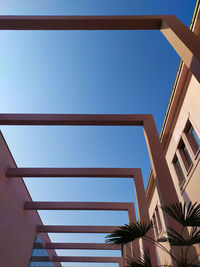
x=122, y=72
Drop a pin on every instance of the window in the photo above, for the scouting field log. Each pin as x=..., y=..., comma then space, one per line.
x=38, y=250
x=186, y=153
x=192, y=137
x=155, y=225
x=158, y=219
x=157, y=222
x=185, y=156
x=179, y=170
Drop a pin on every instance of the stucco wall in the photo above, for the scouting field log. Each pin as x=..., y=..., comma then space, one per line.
x=190, y=110
x=17, y=227
x=190, y=188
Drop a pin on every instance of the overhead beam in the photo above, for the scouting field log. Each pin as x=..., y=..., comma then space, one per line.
x=75, y=259
x=80, y=22
x=73, y=119
x=75, y=229
x=96, y=246
x=71, y=172
x=120, y=206
x=180, y=37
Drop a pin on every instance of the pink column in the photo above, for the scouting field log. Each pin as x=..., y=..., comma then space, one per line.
x=165, y=185
x=144, y=214
x=135, y=247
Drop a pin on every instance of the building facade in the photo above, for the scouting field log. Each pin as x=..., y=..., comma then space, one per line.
x=180, y=138
x=175, y=157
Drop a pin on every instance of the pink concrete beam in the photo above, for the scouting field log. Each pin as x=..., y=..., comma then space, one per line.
x=75, y=259
x=41, y=259
x=73, y=119
x=184, y=41
x=120, y=206
x=96, y=246
x=80, y=22
x=179, y=36
x=71, y=172
x=75, y=229
x=85, y=259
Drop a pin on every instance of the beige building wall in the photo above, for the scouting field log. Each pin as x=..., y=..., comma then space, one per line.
x=189, y=189
x=183, y=109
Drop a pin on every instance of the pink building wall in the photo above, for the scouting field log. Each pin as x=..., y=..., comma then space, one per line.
x=17, y=226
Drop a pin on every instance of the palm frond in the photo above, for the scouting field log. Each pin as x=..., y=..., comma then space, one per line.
x=175, y=239
x=128, y=233
x=187, y=215
x=182, y=263
x=144, y=261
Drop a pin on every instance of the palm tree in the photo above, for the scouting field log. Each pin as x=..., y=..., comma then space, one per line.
x=187, y=215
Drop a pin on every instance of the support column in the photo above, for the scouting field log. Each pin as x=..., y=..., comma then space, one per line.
x=164, y=183
x=121, y=263
x=134, y=246
x=144, y=214
x=159, y=164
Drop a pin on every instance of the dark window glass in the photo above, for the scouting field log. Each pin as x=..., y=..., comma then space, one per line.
x=185, y=155
x=194, y=136
x=155, y=225
x=158, y=218
x=179, y=170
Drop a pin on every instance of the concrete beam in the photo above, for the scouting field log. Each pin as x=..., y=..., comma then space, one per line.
x=73, y=119
x=75, y=259
x=72, y=172
x=80, y=22
x=120, y=206
x=75, y=229
x=179, y=36
x=95, y=246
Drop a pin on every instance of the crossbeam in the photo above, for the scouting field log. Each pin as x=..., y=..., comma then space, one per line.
x=73, y=119
x=96, y=246
x=80, y=22
x=120, y=206
x=75, y=229
x=184, y=41
x=75, y=259
x=72, y=172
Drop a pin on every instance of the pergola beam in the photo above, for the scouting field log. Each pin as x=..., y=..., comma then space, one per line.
x=74, y=259
x=76, y=229
x=80, y=22
x=73, y=119
x=119, y=206
x=184, y=41
x=95, y=246
x=72, y=172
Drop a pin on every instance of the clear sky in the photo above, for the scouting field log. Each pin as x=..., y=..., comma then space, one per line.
x=115, y=72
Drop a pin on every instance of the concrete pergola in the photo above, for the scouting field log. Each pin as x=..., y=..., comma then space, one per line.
x=158, y=162
x=186, y=45
x=114, y=206
x=179, y=36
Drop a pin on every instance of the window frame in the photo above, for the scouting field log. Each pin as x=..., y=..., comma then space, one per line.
x=195, y=147
x=179, y=170
x=185, y=155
